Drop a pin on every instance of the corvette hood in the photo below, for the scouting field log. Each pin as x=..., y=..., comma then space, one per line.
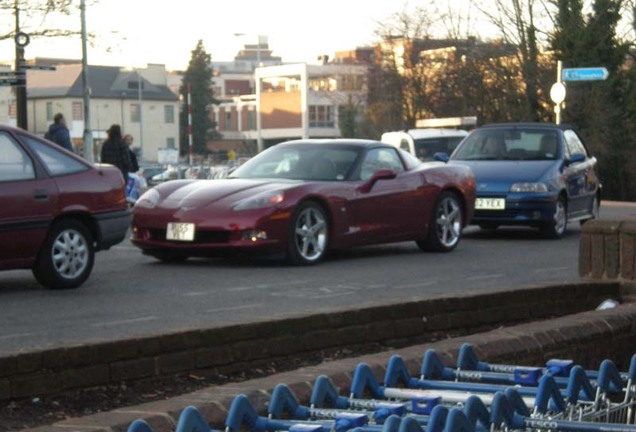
x=200, y=193
x=498, y=176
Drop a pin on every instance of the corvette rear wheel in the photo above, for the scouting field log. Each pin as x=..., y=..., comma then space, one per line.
x=66, y=258
x=309, y=235
x=445, y=227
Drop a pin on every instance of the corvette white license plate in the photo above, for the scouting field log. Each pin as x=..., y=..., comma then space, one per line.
x=490, y=204
x=180, y=231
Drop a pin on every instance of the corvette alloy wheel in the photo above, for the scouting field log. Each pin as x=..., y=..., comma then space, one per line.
x=309, y=237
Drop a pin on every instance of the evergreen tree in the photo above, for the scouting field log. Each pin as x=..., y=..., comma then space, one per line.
x=199, y=77
x=597, y=108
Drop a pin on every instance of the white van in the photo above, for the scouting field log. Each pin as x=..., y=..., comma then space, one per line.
x=424, y=143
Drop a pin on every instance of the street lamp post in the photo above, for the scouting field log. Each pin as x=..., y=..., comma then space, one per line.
x=20, y=91
x=257, y=89
x=88, y=134
x=141, y=115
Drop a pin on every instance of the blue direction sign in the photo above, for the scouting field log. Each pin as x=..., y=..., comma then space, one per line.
x=584, y=74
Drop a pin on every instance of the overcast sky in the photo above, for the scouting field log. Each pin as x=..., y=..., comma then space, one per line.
x=137, y=32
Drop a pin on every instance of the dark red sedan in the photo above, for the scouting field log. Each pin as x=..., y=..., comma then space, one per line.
x=305, y=197
x=56, y=209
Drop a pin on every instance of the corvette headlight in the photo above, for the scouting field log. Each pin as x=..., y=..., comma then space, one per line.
x=262, y=200
x=149, y=199
x=529, y=187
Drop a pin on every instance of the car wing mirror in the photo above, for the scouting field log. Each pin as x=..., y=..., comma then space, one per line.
x=383, y=174
x=441, y=157
x=576, y=158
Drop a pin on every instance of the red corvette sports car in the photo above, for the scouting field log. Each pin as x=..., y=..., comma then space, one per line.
x=305, y=197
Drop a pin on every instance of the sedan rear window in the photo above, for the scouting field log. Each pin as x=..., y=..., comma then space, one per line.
x=15, y=164
x=55, y=162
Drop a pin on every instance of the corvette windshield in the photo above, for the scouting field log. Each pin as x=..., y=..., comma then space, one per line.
x=509, y=144
x=301, y=162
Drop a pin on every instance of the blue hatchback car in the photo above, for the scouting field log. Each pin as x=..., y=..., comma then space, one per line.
x=533, y=174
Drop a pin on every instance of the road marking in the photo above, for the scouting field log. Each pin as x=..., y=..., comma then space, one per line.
x=130, y=321
x=265, y=286
x=16, y=336
x=130, y=248
x=233, y=308
x=322, y=296
x=492, y=276
x=417, y=285
x=541, y=270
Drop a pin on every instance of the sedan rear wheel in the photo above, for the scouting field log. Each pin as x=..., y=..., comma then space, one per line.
x=555, y=228
x=67, y=256
x=445, y=227
x=309, y=235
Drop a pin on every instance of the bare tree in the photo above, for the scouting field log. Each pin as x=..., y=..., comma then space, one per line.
x=516, y=21
x=35, y=16
x=402, y=40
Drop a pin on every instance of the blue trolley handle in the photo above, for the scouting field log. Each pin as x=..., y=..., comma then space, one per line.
x=139, y=426
x=433, y=368
x=437, y=420
x=609, y=379
x=577, y=384
x=631, y=375
x=409, y=424
x=458, y=422
x=476, y=412
x=283, y=402
x=548, y=396
x=191, y=420
x=363, y=379
x=324, y=392
x=467, y=359
x=397, y=372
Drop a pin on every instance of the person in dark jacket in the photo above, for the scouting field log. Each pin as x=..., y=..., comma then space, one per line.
x=128, y=139
x=59, y=133
x=115, y=151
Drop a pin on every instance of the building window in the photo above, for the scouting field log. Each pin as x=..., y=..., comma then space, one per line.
x=170, y=143
x=135, y=114
x=49, y=111
x=321, y=116
x=78, y=111
x=228, y=121
x=168, y=113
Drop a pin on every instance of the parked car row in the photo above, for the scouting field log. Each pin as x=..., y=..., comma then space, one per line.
x=298, y=199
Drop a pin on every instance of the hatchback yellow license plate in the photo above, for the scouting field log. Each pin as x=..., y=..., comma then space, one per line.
x=180, y=231
x=490, y=204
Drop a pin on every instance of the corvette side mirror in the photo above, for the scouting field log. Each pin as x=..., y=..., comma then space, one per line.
x=383, y=174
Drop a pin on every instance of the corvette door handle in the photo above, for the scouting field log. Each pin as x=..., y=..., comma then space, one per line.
x=40, y=195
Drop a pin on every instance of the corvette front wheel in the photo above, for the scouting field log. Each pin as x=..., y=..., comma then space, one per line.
x=308, y=235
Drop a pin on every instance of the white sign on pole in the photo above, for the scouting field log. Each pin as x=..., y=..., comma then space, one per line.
x=166, y=156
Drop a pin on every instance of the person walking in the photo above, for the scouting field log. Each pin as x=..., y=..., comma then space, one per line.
x=59, y=133
x=116, y=152
x=134, y=164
